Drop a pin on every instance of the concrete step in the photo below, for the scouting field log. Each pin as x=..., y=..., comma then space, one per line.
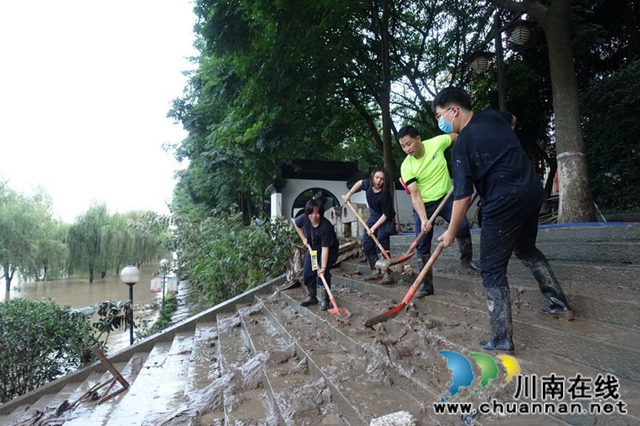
x=460, y=333
x=618, y=306
x=360, y=394
x=588, y=342
x=286, y=373
x=589, y=275
x=31, y=411
x=204, y=367
x=159, y=387
x=244, y=393
x=405, y=358
x=72, y=393
x=597, y=244
x=98, y=414
x=569, y=233
x=84, y=409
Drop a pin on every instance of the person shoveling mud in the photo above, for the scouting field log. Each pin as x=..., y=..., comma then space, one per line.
x=383, y=265
x=381, y=222
x=318, y=235
x=426, y=175
x=489, y=157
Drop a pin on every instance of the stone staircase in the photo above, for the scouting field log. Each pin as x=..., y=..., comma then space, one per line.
x=262, y=359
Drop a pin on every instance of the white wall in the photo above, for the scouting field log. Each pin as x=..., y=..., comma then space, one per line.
x=294, y=187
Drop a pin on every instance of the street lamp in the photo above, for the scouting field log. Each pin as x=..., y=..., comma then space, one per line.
x=479, y=61
x=519, y=34
x=164, y=265
x=130, y=275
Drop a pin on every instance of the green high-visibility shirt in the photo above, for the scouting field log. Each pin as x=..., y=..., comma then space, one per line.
x=430, y=172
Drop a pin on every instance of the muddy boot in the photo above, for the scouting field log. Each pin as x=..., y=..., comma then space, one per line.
x=387, y=279
x=499, y=308
x=466, y=252
x=375, y=272
x=550, y=288
x=326, y=303
x=312, y=299
x=426, y=288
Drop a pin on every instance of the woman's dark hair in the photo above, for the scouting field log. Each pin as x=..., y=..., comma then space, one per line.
x=313, y=204
x=387, y=183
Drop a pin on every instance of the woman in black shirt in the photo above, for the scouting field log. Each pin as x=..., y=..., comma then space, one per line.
x=317, y=233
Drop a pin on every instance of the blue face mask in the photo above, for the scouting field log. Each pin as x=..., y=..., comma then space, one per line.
x=444, y=126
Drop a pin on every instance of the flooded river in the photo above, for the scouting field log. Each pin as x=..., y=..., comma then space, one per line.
x=79, y=293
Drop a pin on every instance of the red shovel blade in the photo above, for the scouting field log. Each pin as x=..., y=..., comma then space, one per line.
x=385, y=315
x=412, y=290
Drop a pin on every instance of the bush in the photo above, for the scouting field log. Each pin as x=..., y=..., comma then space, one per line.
x=611, y=128
x=225, y=258
x=39, y=342
x=170, y=306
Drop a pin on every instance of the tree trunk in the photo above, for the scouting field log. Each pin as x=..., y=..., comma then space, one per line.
x=385, y=95
x=8, y=276
x=7, y=288
x=576, y=203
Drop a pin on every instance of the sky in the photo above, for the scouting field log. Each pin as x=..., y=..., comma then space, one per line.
x=85, y=88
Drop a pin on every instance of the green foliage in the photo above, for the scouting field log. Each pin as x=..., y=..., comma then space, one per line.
x=31, y=241
x=113, y=315
x=224, y=258
x=310, y=80
x=170, y=306
x=99, y=241
x=612, y=146
x=39, y=342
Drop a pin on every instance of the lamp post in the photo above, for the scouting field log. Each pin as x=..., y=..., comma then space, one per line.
x=130, y=275
x=164, y=264
x=520, y=35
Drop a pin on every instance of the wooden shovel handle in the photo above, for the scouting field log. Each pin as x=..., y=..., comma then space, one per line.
x=373, y=237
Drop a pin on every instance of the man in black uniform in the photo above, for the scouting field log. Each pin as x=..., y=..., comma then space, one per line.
x=488, y=155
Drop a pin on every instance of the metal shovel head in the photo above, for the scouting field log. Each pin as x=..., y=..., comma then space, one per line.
x=384, y=264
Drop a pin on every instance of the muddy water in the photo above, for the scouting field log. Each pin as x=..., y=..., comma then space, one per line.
x=79, y=293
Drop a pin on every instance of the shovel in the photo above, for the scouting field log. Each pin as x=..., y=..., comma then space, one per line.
x=412, y=290
x=335, y=310
x=384, y=264
x=373, y=237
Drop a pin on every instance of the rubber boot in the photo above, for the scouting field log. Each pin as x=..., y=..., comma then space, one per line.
x=375, y=272
x=387, y=279
x=426, y=288
x=326, y=303
x=550, y=288
x=312, y=299
x=466, y=252
x=499, y=308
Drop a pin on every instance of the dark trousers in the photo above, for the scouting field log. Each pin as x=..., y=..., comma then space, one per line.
x=383, y=234
x=424, y=245
x=500, y=238
x=310, y=277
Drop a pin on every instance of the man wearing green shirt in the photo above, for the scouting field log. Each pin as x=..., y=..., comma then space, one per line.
x=425, y=173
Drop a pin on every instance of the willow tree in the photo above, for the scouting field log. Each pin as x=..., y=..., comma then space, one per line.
x=25, y=222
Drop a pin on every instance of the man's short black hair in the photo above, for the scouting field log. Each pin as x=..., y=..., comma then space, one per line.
x=451, y=96
x=313, y=204
x=408, y=130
